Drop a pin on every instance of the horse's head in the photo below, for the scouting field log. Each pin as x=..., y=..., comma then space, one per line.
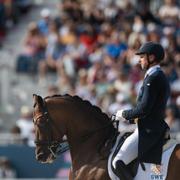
x=84, y=125
x=48, y=136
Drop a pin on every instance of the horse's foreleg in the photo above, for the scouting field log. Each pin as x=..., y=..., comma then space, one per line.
x=70, y=174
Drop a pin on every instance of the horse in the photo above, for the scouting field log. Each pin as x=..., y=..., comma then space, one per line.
x=89, y=133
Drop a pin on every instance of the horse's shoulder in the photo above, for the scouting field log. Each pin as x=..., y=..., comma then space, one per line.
x=177, y=151
x=174, y=164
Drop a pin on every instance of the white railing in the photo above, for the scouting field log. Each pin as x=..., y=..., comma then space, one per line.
x=9, y=138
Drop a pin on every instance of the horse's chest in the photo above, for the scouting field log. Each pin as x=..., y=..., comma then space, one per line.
x=88, y=172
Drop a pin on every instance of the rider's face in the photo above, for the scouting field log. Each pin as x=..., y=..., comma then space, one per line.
x=143, y=61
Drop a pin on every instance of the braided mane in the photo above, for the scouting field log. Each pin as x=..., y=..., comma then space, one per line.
x=103, y=117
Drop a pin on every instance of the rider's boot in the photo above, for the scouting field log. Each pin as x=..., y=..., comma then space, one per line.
x=122, y=171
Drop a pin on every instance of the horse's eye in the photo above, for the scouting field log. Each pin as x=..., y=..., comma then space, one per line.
x=41, y=122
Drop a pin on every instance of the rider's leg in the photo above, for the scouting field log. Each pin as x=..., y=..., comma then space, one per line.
x=127, y=153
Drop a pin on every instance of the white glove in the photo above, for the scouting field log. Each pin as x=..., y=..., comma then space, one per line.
x=119, y=116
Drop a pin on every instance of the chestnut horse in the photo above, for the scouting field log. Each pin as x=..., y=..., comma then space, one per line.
x=88, y=131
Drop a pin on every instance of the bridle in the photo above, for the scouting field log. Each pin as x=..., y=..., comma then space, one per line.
x=56, y=147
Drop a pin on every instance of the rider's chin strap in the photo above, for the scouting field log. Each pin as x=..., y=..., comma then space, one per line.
x=149, y=62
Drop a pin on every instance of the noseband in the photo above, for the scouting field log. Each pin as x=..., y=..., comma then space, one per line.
x=55, y=146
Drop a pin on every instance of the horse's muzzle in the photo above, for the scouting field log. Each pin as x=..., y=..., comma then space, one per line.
x=45, y=158
x=41, y=157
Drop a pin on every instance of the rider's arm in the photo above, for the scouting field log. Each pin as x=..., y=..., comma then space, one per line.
x=144, y=106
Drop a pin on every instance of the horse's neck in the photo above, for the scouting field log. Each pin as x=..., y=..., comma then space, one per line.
x=85, y=152
x=80, y=147
x=85, y=159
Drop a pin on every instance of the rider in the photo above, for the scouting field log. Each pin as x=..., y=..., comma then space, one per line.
x=147, y=140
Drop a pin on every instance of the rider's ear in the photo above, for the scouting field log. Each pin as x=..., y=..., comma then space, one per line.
x=151, y=57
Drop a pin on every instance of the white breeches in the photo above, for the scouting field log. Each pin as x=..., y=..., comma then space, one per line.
x=129, y=150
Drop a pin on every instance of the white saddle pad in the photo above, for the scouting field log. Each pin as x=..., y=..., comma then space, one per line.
x=148, y=174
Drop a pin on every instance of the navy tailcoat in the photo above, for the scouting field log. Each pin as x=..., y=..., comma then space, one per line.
x=150, y=111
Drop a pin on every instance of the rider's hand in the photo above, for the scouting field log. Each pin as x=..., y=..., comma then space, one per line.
x=119, y=116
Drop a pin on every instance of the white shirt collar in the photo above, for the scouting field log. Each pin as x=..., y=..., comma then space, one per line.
x=152, y=69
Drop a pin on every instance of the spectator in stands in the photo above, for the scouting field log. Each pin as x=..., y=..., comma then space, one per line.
x=122, y=84
x=52, y=90
x=172, y=120
x=33, y=40
x=43, y=24
x=169, y=12
x=82, y=87
x=26, y=126
x=143, y=10
x=64, y=83
x=2, y=22
x=121, y=102
x=115, y=47
x=175, y=86
x=54, y=50
x=34, y=46
x=16, y=135
x=6, y=169
x=10, y=11
x=67, y=33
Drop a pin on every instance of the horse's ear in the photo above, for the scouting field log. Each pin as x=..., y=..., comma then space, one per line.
x=38, y=100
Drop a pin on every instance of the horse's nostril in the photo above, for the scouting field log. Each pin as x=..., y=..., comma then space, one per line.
x=40, y=157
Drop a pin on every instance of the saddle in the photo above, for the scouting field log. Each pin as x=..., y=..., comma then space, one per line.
x=133, y=166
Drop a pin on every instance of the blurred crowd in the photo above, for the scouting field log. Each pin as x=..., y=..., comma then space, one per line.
x=10, y=13
x=90, y=47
